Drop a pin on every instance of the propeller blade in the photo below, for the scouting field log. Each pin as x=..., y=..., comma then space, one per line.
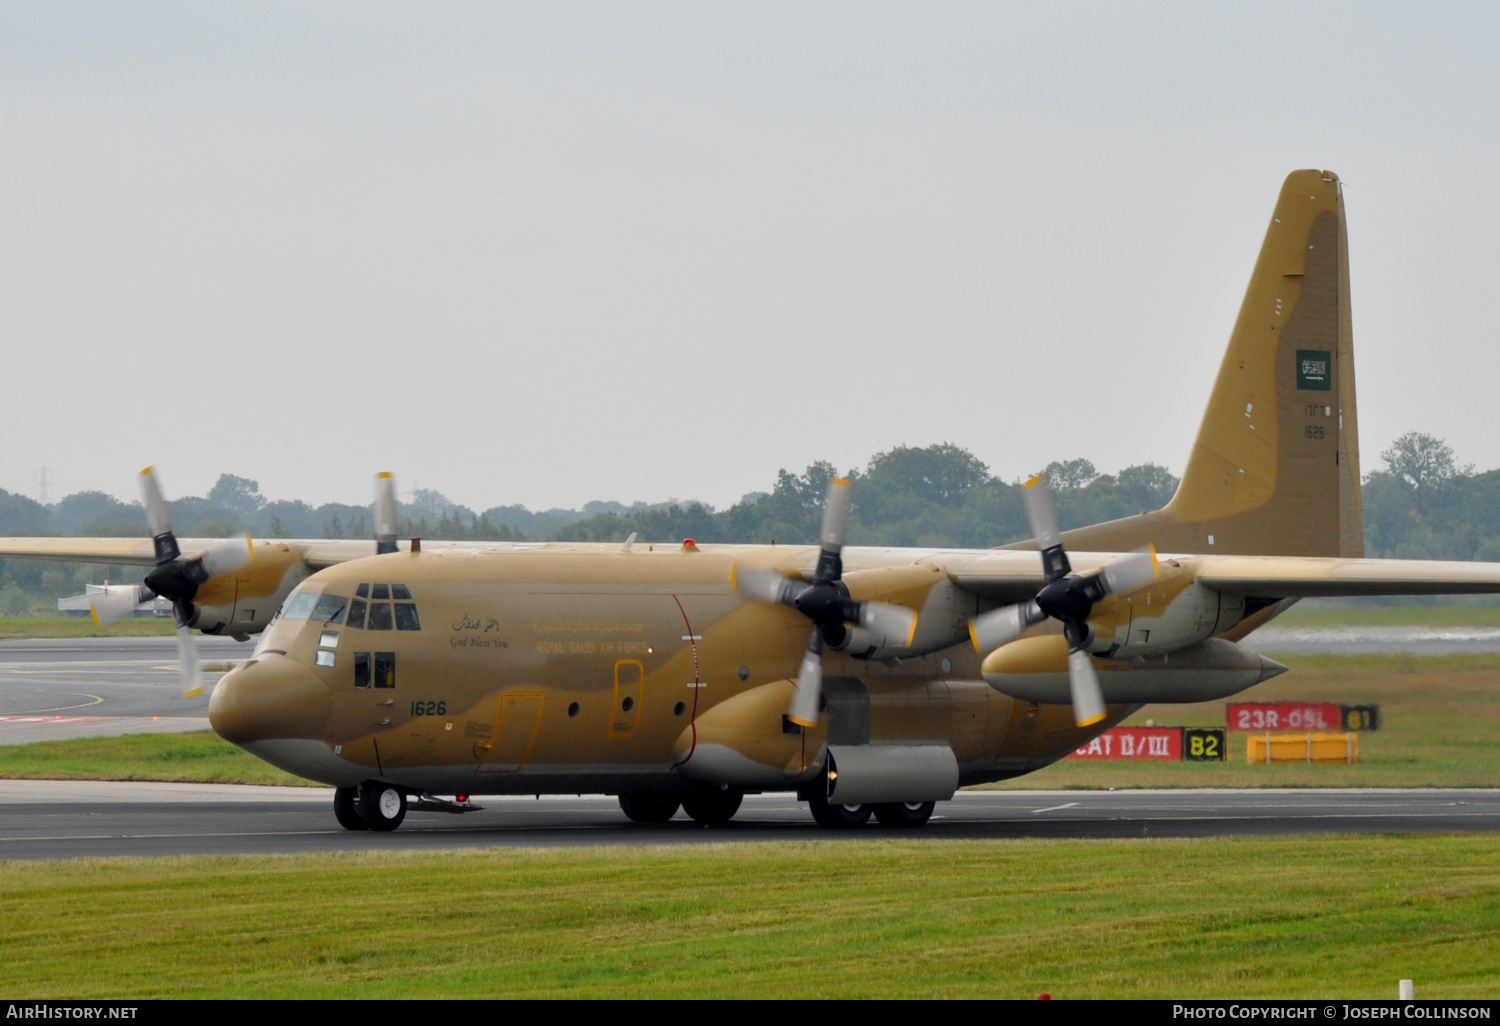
x=804, y=710
x=229, y=556
x=761, y=585
x=117, y=603
x=1037, y=498
x=1088, y=697
x=187, y=659
x=1132, y=571
x=836, y=514
x=157, y=516
x=897, y=623
x=989, y=631
x=387, y=527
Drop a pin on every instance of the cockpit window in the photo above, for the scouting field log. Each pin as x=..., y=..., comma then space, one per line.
x=300, y=605
x=330, y=609
x=379, y=614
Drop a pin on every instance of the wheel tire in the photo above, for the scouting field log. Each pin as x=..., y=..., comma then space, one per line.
x=837, y=817
x=713, y=809
x=381, y=806
x=648, y=808
x=346, y=809
x=904, y=815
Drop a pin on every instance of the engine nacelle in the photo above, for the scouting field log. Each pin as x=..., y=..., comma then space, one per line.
x=243, y=602
x=943, y=612
x=1036, y=670
x=1167, y=617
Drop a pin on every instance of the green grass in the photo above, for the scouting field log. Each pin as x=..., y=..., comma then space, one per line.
x=1440, y=727
x=83, y=627
x=1320, y=613
x=1241, y=917
x=201, y=757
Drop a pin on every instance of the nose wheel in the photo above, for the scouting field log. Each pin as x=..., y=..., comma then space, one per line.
x=346, y=809
x=381, y=806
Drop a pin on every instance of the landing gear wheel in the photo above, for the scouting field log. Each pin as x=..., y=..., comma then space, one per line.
x=713, y=809
x=837, y=817
x=648, y=808
x=904, y=815
x=346, y=809
x=381, y=806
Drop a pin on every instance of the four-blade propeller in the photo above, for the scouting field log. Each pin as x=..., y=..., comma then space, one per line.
x=825, y=601
x=1067, y=598
x=175, y=578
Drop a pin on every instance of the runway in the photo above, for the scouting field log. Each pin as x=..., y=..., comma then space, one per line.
x=58, y=819
x=101, y=687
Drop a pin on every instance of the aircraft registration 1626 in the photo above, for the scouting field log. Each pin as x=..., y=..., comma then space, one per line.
x=868, y=681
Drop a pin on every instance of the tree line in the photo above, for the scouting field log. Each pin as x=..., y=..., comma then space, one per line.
x=1419, y=504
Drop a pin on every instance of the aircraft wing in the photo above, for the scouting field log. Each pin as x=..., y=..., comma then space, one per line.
x=134, y=551
x=1017, y=575
x=1313, y=577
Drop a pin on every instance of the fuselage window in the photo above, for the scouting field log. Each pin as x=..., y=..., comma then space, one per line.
x=363, y=591
x=381, y=591
x=406, y=617
x=330, y=609
x=299, y=605
x=380, y=617
x=357, y=613
x=399, y=591
x=385, y=669
x=361, y=669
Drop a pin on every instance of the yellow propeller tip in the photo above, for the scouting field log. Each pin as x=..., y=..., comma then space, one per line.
x=1033, y=481
x=385, y=474
x=1091, y=722
x=148, y=470
x=973, y=638
x=841, y=482
x=801, y=723
x=94, y=612
x=193, y=693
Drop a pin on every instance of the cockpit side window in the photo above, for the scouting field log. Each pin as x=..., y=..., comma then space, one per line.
x=330, y=609
x=406, y=617
x=380, y=617
x=357, y=613
x=300, y=605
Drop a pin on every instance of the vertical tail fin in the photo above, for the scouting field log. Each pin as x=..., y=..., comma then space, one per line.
x=1275, y=467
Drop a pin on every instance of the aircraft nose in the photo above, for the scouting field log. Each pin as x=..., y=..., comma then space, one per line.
x=268, y=699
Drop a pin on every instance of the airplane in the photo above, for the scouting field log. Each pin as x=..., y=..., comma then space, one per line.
x=867, y=681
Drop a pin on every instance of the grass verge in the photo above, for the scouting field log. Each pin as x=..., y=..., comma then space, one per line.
x=83, y=627
x=1239, y=917
x=197, y=757
x=1440, y=728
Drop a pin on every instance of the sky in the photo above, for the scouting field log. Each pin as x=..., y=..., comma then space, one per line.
x=552, y=252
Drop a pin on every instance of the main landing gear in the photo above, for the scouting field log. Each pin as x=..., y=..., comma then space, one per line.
x=370, y=806
x=892, y=816
x=710, y=810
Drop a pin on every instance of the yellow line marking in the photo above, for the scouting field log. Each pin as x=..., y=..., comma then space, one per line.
x=97, y=700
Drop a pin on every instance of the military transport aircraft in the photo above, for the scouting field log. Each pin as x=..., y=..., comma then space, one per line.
x=867, y=680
